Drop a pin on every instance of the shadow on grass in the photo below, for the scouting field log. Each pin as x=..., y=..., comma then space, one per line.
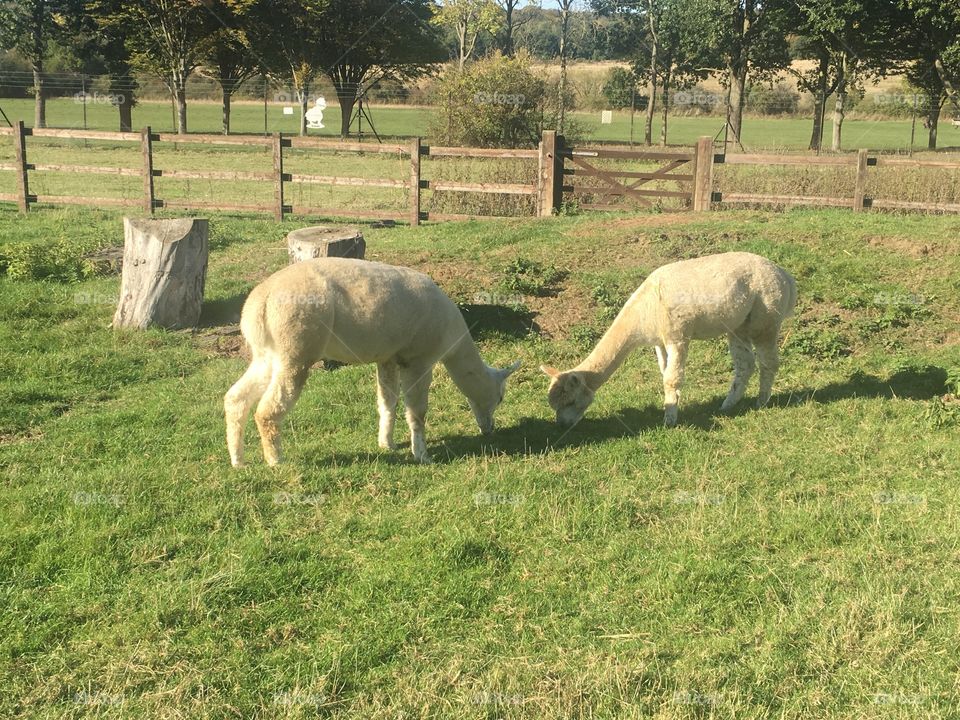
x=223, y=311
x=537, y=435
x=504, y=321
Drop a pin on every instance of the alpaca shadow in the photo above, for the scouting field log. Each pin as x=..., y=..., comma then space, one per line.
x=923, y=383
x=503, y=321
x=220, y=312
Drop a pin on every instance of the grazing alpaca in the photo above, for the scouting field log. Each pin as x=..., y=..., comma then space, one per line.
x=741, y=295
x=354, y=311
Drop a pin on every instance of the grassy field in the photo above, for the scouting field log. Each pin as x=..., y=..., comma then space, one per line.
x=795, y=562
x=759, y=132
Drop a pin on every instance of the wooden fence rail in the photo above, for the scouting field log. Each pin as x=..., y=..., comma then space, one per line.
x=591, y=173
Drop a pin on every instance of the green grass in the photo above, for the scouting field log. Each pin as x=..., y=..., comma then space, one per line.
x=248, y=117
x=794, y=562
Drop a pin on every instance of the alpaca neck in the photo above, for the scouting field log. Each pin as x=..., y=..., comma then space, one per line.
x=468, y=371
x=631, y=329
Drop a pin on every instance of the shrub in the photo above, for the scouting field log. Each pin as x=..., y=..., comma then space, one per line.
x=620, y=88
x=776, y=100
x=495, y=102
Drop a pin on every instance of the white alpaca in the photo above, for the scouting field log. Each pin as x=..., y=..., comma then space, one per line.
x=741, y=295
x=354, y=311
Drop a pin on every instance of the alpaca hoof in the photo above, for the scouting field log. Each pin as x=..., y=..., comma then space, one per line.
x=670, y=422
x=424, y=459
x=387, y=445
x=237, y=464
x=727, y=407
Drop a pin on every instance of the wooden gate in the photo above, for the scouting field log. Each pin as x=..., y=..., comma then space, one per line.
x=608, y=186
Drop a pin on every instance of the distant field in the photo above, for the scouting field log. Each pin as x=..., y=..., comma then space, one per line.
x=759, y=132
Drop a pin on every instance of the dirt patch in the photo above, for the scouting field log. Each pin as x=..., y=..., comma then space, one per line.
x=906, y=246
x=224, y=341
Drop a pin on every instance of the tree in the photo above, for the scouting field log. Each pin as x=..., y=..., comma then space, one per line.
x=469, y=19
x=167, y=38
x=934, y=45
x=566, y=6
x=287, y=38
x=749, y=38
x=368, y=41
x=28, y=26
x=228, y=58
x=512, y=21
x=105, y=53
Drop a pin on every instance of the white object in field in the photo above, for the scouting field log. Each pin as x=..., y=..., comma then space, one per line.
x=315, y=114
x=606, y=117
x=956, y=123
x=288, y=111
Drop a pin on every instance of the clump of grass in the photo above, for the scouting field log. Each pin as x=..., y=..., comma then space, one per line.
x=609, y=298
x=63, y=260
x=529, y=277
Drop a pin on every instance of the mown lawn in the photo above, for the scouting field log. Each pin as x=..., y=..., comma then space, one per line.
x=760, y=132
x=795, y=562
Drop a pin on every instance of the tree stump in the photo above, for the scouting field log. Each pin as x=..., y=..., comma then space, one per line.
x=325, y=241
x=164, y=271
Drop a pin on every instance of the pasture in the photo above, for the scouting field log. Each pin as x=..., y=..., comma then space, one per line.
x=769, y=133
x=794, y=562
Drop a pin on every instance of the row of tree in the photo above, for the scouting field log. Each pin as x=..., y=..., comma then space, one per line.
x=353, y=43
x=846, y=44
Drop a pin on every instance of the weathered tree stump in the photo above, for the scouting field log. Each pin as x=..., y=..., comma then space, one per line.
x=325, y=241
x=164, y=271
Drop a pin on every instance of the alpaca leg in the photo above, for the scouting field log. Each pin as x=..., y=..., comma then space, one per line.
x=237, y=403
x=387, y=397
x=673, y=381
x=743, y=366
x=415, y=382
x=768, y=355
x=661, y=358
x=281, y=394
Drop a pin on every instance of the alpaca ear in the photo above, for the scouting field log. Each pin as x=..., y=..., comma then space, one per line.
x=551, y=371
x=507, y=372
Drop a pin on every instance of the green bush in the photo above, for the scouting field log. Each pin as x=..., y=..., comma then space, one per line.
x=620, y=88
x=495, y=102
x=776, y=100
x=61, y=260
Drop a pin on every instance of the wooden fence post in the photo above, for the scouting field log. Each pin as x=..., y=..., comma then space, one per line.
x=146, y=146
x=20, y=151
x=415, y=182
x=703, y=174
x=550, y=178
x=860, y=190
x=278, y=172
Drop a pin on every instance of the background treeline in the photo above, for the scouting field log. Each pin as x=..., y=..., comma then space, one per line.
x=717, y=57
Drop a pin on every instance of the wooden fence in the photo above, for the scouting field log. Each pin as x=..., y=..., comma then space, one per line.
x=576, y=171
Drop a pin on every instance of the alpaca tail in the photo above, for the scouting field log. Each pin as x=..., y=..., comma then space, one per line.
x=253, y=322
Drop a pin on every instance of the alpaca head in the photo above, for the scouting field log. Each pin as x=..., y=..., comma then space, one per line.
x=483, y=410
x=569, y=395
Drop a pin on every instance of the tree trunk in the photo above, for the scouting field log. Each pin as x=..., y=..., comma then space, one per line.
x=325, y=241
x=347, y=99
x=227, y=87
x=180, y=99
x=933, y=120
x=665, y=107
x=951, y=91
x=738, y=83
x=508, y=49
x=562, y=85
x=164, y=272
x=839, y=109
x=820, y=103
x=40, y=99
x=652, y=97
x=125, y=109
